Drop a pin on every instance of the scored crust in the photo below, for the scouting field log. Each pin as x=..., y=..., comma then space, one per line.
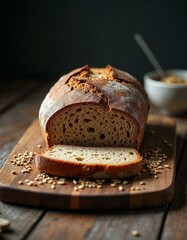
x=95, y=107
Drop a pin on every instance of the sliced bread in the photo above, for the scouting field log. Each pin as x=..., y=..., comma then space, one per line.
x=90, y=162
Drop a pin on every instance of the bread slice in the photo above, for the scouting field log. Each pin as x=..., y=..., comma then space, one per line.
x=90, y=162
x=95, y=107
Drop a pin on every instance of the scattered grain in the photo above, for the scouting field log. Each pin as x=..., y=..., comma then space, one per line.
x=61, y=183
x=75, y=182
x=4, y=224
x=142, y=183
x=39, y=146
x=135, y=233
x=125, y=182
x=166, y=166
x=121, y=188
x=52, y=186
x=75, y=188
x=20, y=182
x=30, y=183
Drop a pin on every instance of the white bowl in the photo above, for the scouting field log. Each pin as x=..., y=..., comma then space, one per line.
x=170, y=99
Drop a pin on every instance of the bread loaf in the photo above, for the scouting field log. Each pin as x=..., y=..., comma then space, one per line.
x=89, y=162
x=95, y=107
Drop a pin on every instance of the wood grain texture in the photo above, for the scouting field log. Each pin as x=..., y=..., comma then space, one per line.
x=156, y=192
x=175, y=226
x=101, y=226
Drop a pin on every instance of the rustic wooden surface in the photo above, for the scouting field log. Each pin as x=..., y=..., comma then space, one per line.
x=167, y=222
x=155, y=192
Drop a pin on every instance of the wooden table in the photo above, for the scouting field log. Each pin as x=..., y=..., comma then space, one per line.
x=19, y=104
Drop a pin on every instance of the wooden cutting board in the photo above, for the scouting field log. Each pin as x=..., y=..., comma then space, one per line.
x=154, y=191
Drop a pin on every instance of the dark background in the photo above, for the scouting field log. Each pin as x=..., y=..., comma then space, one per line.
x=45, y=39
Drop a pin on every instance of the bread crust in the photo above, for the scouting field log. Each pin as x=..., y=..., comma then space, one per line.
x=62, y=95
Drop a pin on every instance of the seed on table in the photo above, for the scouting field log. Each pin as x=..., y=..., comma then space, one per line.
x=20, y=182
x=81, y=187
x=121, y=188
x=113, y=184
x=53, y=186
x=166, y=166
x=61, y=182
x=74, y=181
x=135, y=233
x=156, y=177
x=99, y=186
x=39, y=146
x=30, y=184
x=125, y=182
x=4, y=224
x=142, y=183
x=75, y=188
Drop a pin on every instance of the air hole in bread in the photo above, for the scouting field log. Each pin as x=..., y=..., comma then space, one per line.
x=131, y=153
x=70, y=152
x=128, y=124
x=79, y=158
x=78, y=110
x=102, y=136
x=86, y=120
x=91, y=130
x=128, y=134
x=84, y=130
x=95, y=154
x=63, y=128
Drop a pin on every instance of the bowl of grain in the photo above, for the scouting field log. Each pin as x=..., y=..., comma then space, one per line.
x=168, y=94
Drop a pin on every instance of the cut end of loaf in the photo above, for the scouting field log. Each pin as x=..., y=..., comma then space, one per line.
x=90, y=162
x=90, y=124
